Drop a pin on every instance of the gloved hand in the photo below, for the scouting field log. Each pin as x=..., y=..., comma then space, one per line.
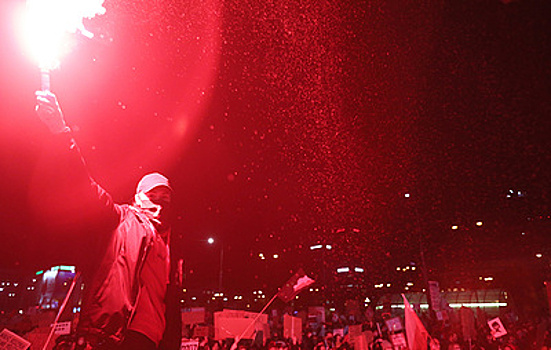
x=49, y=112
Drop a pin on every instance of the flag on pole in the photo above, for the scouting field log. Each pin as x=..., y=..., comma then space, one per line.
x=416, y=333
x=294, y=285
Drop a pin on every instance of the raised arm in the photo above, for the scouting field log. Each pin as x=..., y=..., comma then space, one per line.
x=50, y=113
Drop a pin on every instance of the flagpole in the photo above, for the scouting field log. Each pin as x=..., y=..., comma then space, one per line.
x=61, y=309
x=257, y=316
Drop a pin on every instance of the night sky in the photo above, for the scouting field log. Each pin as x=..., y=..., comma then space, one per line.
x=281, y=123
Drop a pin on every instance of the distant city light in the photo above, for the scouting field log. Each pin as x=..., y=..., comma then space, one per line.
x=64, y=268
x=317, y=246
x=455, y=227
x=487, y=279
x=539, y=255
x=406, y=195
x=210, y=240
x=479, y=223
x=343, y=269
x=276, y=256
x=518, y=194
x=328, y=247
x=452, y=305
x=358, y=269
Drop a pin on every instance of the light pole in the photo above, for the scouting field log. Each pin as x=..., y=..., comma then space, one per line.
x=211, y=241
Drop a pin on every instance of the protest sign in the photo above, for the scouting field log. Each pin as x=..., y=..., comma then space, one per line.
x=496, y=328
x=201, y=331
x=354, y=331
x=11, y=341
x=292, y=327
x=360, y=342
x=394, y=324
x=195, y=315
x=62, y=328
x=316, y=316
x=398, y=341
x=189, y=345
x=232, y=323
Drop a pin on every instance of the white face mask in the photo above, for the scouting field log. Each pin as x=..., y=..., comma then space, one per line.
x=143, y=202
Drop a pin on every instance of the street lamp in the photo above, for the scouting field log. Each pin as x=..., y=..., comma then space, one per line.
x=211, y=241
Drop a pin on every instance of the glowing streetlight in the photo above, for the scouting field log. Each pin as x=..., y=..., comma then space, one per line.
x=211, y=241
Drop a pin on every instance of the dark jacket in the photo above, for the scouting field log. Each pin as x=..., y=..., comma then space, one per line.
x=119, y=237
x=113, y=287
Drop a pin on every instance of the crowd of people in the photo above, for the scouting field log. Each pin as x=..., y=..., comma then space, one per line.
x=445, y=334
x=334, y=331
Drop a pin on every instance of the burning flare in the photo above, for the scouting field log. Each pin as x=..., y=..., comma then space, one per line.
x=49, y=23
